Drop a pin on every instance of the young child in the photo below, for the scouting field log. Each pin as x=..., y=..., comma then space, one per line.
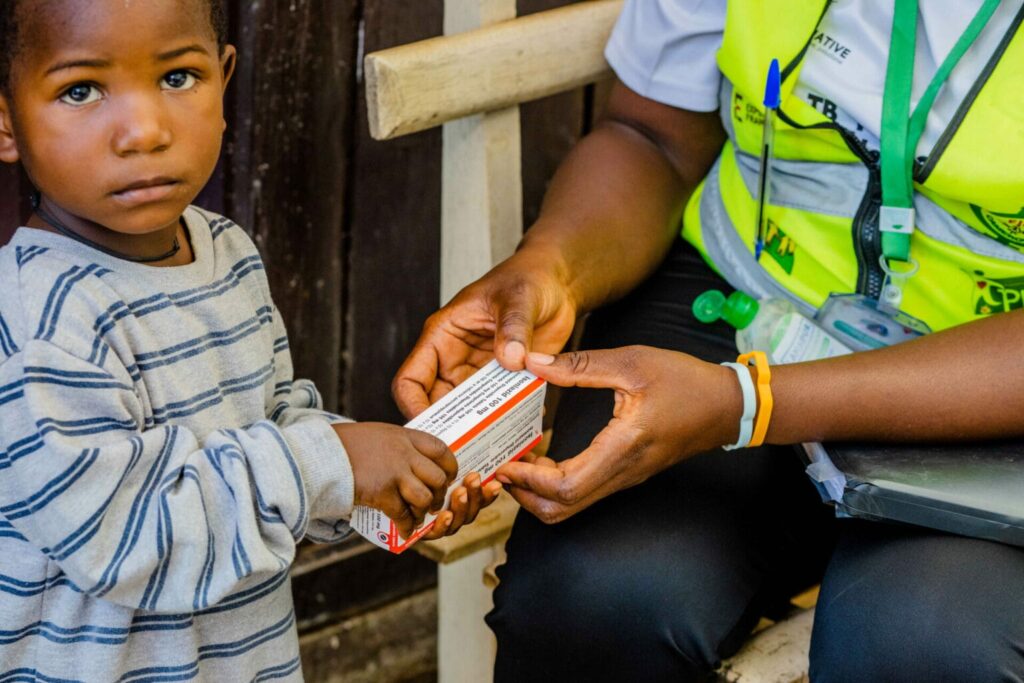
x=158, y=464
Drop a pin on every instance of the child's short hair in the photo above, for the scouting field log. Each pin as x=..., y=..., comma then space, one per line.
x=9, y=37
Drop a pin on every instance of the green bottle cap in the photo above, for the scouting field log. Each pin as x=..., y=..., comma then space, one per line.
x=738, y=310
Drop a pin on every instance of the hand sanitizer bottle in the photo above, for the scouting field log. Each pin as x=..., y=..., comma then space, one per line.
x=774, y=326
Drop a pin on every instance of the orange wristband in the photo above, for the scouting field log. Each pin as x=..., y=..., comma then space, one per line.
x=764, y=394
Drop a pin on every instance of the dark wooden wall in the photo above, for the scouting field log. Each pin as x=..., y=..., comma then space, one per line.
x=348, y=227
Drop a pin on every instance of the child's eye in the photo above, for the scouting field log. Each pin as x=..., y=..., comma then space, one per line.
x=79, y=94
x=179, y=80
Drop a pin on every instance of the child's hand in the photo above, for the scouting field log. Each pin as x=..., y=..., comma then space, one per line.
x=467, y=501
x=402, y=472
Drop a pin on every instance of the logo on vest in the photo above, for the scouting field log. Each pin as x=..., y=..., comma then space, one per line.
x=746, y=111
x=997, y=295
x=780, y=247
x=830, y=47
x=1008, y=228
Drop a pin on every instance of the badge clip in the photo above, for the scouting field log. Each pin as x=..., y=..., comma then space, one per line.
x=895, y=280
x=896, y=219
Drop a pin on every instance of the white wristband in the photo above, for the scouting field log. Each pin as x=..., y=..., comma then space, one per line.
x=749, y=406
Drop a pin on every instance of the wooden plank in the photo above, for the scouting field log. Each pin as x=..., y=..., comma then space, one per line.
x=419, y=86
x=393, y=230
x=778, y=654
x=289, y=132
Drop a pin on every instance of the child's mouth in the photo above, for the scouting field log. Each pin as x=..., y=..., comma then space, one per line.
x=146, y=191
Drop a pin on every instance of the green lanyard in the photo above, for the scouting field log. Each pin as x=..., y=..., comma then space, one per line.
x=902, y=130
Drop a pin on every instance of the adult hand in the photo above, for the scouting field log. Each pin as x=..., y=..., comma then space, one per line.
x=521, y=305
x=668, y=406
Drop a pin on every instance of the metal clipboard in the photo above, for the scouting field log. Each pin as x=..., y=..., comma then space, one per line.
x=967, y=489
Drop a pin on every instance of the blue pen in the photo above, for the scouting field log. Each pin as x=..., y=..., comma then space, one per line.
x=772, y=100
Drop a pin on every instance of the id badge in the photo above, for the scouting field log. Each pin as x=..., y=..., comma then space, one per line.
x=860, y=323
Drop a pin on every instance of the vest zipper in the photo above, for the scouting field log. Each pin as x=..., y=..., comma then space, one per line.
x=867, y=238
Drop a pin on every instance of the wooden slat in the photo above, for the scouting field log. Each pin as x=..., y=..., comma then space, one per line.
x=422, y=85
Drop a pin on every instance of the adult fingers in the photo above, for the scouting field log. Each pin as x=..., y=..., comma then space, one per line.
x=515, y=315
x=435, y=449
x=571, y=481
x=602, y=369
x=415, y=380
x=547, y=511
x=554, y=511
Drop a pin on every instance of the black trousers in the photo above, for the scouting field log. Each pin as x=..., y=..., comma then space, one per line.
x=662, y=581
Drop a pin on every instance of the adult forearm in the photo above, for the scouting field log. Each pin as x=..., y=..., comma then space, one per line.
x=615, y=205
x=610, y=214
x=962, y=383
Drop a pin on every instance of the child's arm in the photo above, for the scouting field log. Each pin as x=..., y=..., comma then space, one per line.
x=297, y=400
x=146, y=515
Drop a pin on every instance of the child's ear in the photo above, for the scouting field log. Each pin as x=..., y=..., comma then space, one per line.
x=228, y=59
x=8, y=146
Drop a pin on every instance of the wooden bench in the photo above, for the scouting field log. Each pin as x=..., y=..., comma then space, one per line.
x=472, y=81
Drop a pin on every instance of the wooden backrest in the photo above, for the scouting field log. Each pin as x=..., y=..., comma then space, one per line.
x=472, y=80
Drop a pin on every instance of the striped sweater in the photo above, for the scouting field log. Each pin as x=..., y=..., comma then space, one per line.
x=158, y=465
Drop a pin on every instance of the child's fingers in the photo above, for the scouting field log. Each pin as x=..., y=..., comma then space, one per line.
x=417, y=496
x=491, y=491
x=434, y=478
x=399, y=513
x=458, y=507
x=436, y=450
x=475, y=495
x=441, y=526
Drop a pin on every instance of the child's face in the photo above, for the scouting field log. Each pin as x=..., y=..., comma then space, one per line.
x=116, y=108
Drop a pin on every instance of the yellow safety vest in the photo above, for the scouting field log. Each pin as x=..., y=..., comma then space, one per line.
x=823, y=232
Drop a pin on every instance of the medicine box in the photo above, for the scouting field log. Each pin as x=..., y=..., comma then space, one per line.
x=492, y=418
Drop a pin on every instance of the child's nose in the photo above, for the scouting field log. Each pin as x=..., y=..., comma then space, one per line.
x=142, y=127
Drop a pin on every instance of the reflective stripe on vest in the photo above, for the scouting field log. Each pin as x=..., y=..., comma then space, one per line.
x=822, y=234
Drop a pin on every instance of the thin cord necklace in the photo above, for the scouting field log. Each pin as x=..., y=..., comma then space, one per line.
x=68, y=232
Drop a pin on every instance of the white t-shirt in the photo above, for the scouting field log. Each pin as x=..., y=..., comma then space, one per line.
x=665, y=50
